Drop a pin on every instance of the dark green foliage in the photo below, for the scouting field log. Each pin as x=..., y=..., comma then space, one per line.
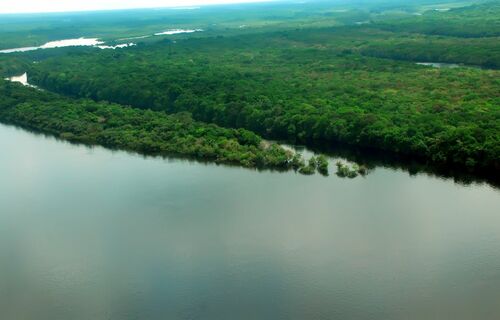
x=310, y=168
x=362, y=170
x=12, y=65
x=300, y=86
x=319, y=163
x=297, y=162
x=480, y=20
x=314, y=84
x=322, y=165
x=479, y=52
x=344, y=171
x=146, y=132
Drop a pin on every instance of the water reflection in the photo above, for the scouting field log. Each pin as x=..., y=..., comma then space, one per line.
x=86, y=233
x=447, y=65
x=58, y=44
x=22, y=79
x=373, y=159
x=177, y=31
x=80, y=42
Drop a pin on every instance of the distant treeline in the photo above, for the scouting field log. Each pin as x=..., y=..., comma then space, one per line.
x=481, y=52
x=475, y=21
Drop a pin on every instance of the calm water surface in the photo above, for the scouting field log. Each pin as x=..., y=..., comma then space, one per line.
x=58, y=44
x=441, y=65
x=94, y=234
x=95, y=42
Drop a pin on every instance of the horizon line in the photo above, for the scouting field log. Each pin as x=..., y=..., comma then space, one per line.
x=167, y=7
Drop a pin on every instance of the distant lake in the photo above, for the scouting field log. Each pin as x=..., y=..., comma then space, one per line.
x=438, y=64
x=167, y=32
x=81, y=42
x=177, y=31
x=95, y=42
x=22, y=79
x=447, y=65
x=58, y=44
x=88, y=233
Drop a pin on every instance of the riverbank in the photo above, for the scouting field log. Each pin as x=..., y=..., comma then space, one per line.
x=143, y=131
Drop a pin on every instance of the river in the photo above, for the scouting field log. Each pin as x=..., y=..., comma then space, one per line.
x=95, y=42
x=88, y=233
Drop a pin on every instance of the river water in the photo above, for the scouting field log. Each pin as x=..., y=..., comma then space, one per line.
x=88, y=233
x=58, y=44
x=95, y=42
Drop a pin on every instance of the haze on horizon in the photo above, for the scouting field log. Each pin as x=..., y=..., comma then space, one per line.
x=39, y=6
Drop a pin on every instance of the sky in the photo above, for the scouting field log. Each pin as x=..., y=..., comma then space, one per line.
x=29, y=6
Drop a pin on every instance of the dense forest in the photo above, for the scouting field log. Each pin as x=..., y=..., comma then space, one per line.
x=147, y=132
x=356, y=84
x=478, y=20
x=298, y=92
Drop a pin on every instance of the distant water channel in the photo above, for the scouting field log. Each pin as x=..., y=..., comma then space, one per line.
x=88, y=233
x=442, y=65
x=58, y=44
x=95, y=42
x=439, y=65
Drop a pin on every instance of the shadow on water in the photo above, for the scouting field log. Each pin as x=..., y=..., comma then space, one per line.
x=374, y=158
x=172, y=157
x=369, y=158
